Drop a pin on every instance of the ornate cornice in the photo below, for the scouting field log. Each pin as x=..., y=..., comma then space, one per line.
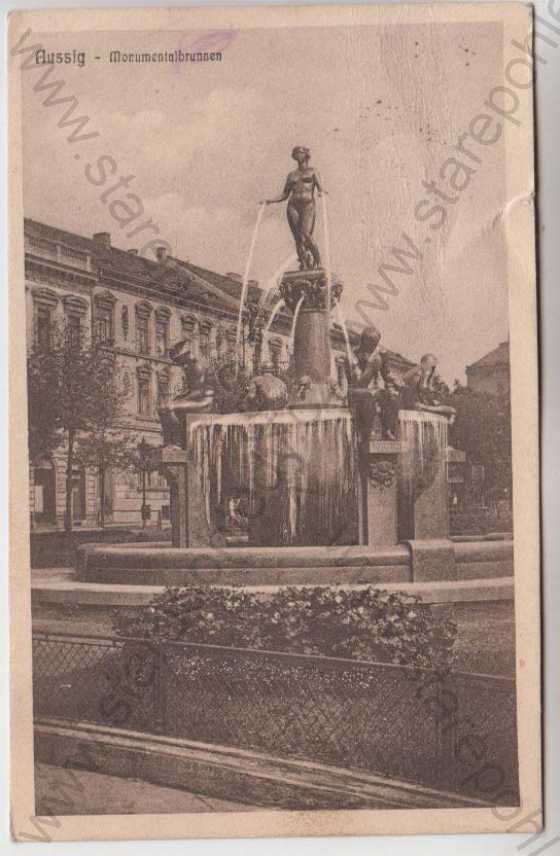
x=144, y=309
x=45, y=296
x=77, y=305
x=105, y=297
x=55, y=272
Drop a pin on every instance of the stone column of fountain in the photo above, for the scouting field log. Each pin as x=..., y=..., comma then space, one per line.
x=306, y=293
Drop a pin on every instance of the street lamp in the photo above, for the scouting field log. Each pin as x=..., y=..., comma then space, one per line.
x=144, y=450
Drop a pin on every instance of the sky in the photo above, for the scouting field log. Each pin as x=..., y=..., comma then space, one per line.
x=380, y=109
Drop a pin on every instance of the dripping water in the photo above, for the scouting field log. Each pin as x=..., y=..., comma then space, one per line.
x=301, y=461
x=293, y=330
x=424, y=448
x=277, y=308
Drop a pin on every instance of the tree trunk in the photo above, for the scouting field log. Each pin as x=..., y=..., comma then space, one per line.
x=69, y=474
x=102, y=492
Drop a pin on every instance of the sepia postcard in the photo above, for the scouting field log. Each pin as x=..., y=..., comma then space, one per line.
x=274, y=421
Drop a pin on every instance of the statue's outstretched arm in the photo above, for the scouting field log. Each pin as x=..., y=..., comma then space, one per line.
x=285, y=194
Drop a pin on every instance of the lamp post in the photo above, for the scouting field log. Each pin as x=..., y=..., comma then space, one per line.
x=144, y=449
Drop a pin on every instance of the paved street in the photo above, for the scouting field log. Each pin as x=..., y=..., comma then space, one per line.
x=95, y=793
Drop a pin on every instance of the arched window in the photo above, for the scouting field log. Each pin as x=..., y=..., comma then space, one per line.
x=189, y=325
x=204, y=340
x=144, y=401
x=45, y=302
x=75, y=309
x=125, y=321
x=163, y=314
x=163, y=388
x=104, y=322
x=143, y=313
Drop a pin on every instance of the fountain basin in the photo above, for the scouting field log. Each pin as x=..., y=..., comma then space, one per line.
x=145, y=564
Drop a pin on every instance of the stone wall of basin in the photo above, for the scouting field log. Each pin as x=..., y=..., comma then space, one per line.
x=438, y=560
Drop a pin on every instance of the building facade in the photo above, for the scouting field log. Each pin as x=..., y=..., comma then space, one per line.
x=138, y=307
x=491, y=374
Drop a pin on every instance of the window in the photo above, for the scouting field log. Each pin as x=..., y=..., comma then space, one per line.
x=124, y=321
x=142, y=334
x=144, y=397
x=162, y=337
x=188, y=327
x=74, y=330
x=103, y=326
x=204, y=343
x=43, y=322
x=162, y=390
x=154, y=481
x=143, y=313
x=104, y=304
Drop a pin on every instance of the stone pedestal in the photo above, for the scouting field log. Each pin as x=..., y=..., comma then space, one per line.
x=173, y=465
x=189, y=524
x=423, y=489
x=378, y=492
x=431, y=508
x=426, y=514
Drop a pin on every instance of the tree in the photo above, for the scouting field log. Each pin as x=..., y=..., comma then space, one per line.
x=483, y=431
x=105, y=443
x=73, y=400
x=44, y=435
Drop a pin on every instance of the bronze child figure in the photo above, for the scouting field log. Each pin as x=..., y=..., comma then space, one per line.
x=420, y=392
x=372, y=390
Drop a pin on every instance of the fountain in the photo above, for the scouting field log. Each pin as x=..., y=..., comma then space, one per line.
x=351, y=490
x=293, y=469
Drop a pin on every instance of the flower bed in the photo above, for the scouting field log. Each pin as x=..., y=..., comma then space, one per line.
x=366, y=624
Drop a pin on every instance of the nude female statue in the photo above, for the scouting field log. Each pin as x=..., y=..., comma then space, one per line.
x=299, y=190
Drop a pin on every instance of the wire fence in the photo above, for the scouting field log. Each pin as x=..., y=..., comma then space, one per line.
x=395, y=721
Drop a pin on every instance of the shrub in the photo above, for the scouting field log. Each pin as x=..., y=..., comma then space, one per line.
x=365, y=624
